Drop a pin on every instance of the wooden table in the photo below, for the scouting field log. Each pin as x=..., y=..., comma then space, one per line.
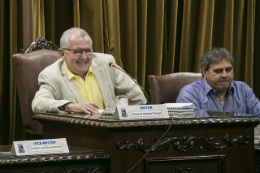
x=214, y=142
x=78, y=160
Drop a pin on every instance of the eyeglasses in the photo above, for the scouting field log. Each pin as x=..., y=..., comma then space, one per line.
x=79, y=52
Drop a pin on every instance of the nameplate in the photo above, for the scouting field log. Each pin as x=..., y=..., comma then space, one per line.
x=141, y=112
x=40, y=147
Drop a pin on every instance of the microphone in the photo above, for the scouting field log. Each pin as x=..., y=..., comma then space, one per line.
x=117, y=67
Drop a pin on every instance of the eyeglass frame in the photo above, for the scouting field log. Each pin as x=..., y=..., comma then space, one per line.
x=73, y=51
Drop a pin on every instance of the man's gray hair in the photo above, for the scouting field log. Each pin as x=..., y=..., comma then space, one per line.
x=64, y=43
x=214, y=56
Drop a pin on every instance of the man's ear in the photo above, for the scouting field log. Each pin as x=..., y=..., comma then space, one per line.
x=205, y=73
x=61, y=52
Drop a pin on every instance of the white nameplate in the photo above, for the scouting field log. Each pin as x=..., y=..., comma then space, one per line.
x=40, y=147
x=141, y=112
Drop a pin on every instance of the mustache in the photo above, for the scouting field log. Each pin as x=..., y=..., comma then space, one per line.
x=223, y=80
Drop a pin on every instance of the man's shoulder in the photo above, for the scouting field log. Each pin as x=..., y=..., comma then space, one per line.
x=102, y=55
x=239, y=84
x=194, y=85
x=102, y=59
x=53, y=67
x=191, y=93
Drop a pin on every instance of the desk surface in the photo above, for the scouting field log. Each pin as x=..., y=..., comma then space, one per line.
x=200, y=117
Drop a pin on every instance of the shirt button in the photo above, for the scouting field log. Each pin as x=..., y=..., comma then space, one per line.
x=217, y=99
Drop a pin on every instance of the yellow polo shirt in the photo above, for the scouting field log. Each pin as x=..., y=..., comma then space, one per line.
x=88, y=89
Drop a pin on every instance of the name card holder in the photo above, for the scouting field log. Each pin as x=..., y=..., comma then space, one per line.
x=141, y=112
x=40, y=147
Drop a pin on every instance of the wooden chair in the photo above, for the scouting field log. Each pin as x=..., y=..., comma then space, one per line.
x=166, y=88
x=27, y=65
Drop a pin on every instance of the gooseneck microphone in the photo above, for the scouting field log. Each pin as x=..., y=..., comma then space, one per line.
x=117, y=67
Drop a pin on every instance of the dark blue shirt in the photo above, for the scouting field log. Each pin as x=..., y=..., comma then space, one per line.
x=239, y=98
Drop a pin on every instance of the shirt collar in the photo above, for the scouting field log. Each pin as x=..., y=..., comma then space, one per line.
x=232, y=86
x=71, y=75
x=208, y=88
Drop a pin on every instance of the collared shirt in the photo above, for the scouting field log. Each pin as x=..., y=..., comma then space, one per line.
x=239, y=97
x=88, y=89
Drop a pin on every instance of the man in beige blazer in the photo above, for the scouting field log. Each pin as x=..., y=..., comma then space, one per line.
x=58, y=94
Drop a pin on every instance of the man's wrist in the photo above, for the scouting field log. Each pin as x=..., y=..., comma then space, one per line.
x=61, y=108
x=64, y=107
x=67, y=107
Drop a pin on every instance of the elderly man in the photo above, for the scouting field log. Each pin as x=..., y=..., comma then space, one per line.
x=82, y=81
x=217, y=91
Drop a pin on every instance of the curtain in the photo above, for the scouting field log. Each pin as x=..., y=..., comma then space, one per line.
x=4, y=72
x=256, y=59
x=159, y=37
x=145, y=36
x=10, y=39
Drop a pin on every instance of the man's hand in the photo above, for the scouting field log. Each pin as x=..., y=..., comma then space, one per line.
x=86, y=107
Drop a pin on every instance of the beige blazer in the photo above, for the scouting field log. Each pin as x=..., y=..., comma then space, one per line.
x=56, y=90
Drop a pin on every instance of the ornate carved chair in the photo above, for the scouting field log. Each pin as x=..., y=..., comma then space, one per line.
x=28, y=64
x=165, y=88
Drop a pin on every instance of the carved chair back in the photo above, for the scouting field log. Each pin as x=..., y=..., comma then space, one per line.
x=27, y=65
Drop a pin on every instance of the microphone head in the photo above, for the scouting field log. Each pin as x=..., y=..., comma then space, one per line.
x=111, y=64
